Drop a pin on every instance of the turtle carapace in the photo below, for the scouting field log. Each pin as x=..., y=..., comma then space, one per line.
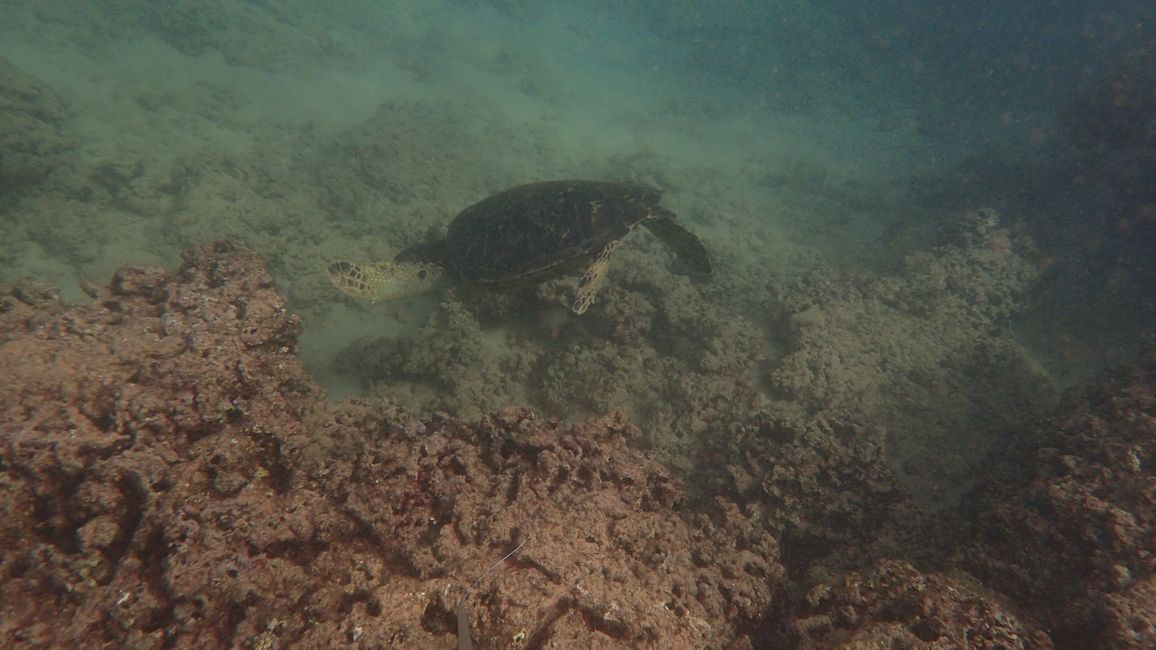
x=527, y=234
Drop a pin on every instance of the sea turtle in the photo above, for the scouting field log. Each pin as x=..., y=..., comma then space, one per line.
x=527, y=234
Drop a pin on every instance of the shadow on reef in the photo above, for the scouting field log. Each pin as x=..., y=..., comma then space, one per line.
x=1088, y=200
x=1065, y=524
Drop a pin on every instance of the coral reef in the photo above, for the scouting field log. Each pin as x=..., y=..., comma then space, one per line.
x=172, y=478
x=822, y=483
x=652, y=345
x=892, y=605
x=890, y=393
x=1068, y=527
x=925, y=359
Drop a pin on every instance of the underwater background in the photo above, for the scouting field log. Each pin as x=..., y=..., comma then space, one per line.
x=928, y=224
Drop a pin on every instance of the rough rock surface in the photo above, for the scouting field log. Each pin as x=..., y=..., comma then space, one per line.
x=923, y=360
x=1069, y=530
x=890, y=393
x=171, y=478
x=892, y=605
x=820, y=482
x=677, y=359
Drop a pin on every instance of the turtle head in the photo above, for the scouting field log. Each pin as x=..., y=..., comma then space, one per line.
x=384, y=280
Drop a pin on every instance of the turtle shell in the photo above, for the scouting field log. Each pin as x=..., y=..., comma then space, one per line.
x=537, y=231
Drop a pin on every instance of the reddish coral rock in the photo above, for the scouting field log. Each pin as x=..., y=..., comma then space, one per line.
x=171, y=478
x=1069, y=530
x=893, y=605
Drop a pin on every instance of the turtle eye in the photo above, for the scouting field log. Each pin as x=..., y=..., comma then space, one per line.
x=421, y=275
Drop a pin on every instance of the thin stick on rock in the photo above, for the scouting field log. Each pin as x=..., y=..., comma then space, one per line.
x=465, y=642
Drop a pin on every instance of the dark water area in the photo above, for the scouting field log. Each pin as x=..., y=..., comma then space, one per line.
x=850, y=346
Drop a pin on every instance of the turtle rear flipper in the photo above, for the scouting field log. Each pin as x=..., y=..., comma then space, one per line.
x=689, y=249
x=383, y=280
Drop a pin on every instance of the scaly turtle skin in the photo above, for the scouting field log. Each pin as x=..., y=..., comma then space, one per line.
x=527, y=234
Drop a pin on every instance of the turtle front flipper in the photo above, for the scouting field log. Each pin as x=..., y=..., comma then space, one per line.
x=383, y=280
x=592, y=280
x=685, y=244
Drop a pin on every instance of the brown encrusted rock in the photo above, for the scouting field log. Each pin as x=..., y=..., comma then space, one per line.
x=169, y=477
x=821, y=481
x=1129, y=616
x=892, y=605
x=604, y=551
x=1069, y=531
